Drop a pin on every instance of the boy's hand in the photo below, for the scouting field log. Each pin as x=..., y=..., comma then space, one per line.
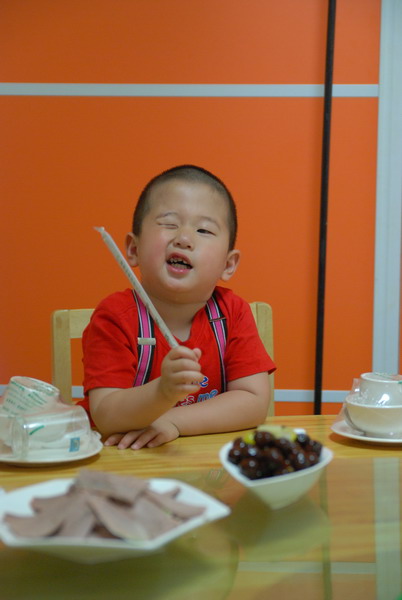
x=159, y=432
x=180, y=373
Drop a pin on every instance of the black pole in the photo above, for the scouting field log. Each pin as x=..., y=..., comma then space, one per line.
x=329, y=64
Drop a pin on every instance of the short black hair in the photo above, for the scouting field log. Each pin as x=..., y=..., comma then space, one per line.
x=187, y=173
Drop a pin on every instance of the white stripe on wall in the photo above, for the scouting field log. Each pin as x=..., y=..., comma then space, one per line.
x=187, y=90
x=329, y=396
x=387, y=275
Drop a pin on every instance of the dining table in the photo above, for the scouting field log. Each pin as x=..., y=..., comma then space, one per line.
x=342, y=540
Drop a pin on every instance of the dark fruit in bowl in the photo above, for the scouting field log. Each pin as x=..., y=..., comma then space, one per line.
x=271, y=451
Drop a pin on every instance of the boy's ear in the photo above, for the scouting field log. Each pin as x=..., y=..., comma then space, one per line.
x=131, y=249
x=232, y=262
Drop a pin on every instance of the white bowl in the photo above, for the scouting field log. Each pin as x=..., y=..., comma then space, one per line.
x=375, y=420
x=280, y=490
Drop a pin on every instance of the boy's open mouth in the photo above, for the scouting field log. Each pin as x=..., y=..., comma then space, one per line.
x=179, y=262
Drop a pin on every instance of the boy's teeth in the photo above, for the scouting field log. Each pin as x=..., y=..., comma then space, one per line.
x=177, y=261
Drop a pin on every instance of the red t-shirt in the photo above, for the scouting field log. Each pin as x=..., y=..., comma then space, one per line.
x=110, y=345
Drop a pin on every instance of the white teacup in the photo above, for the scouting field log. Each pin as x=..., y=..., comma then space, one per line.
x=26, y=394
x=64, y=430
x=381, y=389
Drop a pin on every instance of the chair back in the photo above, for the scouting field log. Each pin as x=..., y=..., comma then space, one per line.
x=262, y=313
x=66, y=325
x=70, y=324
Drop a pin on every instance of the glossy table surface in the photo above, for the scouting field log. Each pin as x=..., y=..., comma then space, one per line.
x=343, y=540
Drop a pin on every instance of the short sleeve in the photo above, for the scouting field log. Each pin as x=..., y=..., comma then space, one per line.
x=109, y=347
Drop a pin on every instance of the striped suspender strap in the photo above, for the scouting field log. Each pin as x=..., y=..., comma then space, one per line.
x=146, y=332
x=218, y=323
x=145, y=350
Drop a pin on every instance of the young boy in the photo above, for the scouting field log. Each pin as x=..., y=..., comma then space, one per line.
x=216, y=379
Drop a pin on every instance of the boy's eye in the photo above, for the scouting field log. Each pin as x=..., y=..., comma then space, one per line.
x=168, y=225
x=207, y=231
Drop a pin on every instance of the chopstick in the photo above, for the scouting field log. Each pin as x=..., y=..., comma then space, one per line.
x=110, y=243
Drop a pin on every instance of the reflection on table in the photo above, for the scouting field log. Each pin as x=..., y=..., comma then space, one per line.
x=340, y=541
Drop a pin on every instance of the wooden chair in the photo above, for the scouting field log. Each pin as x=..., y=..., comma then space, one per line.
x=70, y=324
x=66, y=325
x=262, y=313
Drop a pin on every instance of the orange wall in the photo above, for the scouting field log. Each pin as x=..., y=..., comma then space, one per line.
x=70, y=163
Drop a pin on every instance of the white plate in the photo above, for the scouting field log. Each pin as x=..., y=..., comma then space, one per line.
x=342, y=428
x=37, y=457
x=93, y=550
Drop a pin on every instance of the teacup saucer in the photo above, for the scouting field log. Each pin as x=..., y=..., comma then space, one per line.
x=37, y=458
x=342, y=428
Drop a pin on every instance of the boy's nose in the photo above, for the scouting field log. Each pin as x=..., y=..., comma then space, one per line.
x=183, y=239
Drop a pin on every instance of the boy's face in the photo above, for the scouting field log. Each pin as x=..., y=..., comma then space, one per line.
x=182, y=250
